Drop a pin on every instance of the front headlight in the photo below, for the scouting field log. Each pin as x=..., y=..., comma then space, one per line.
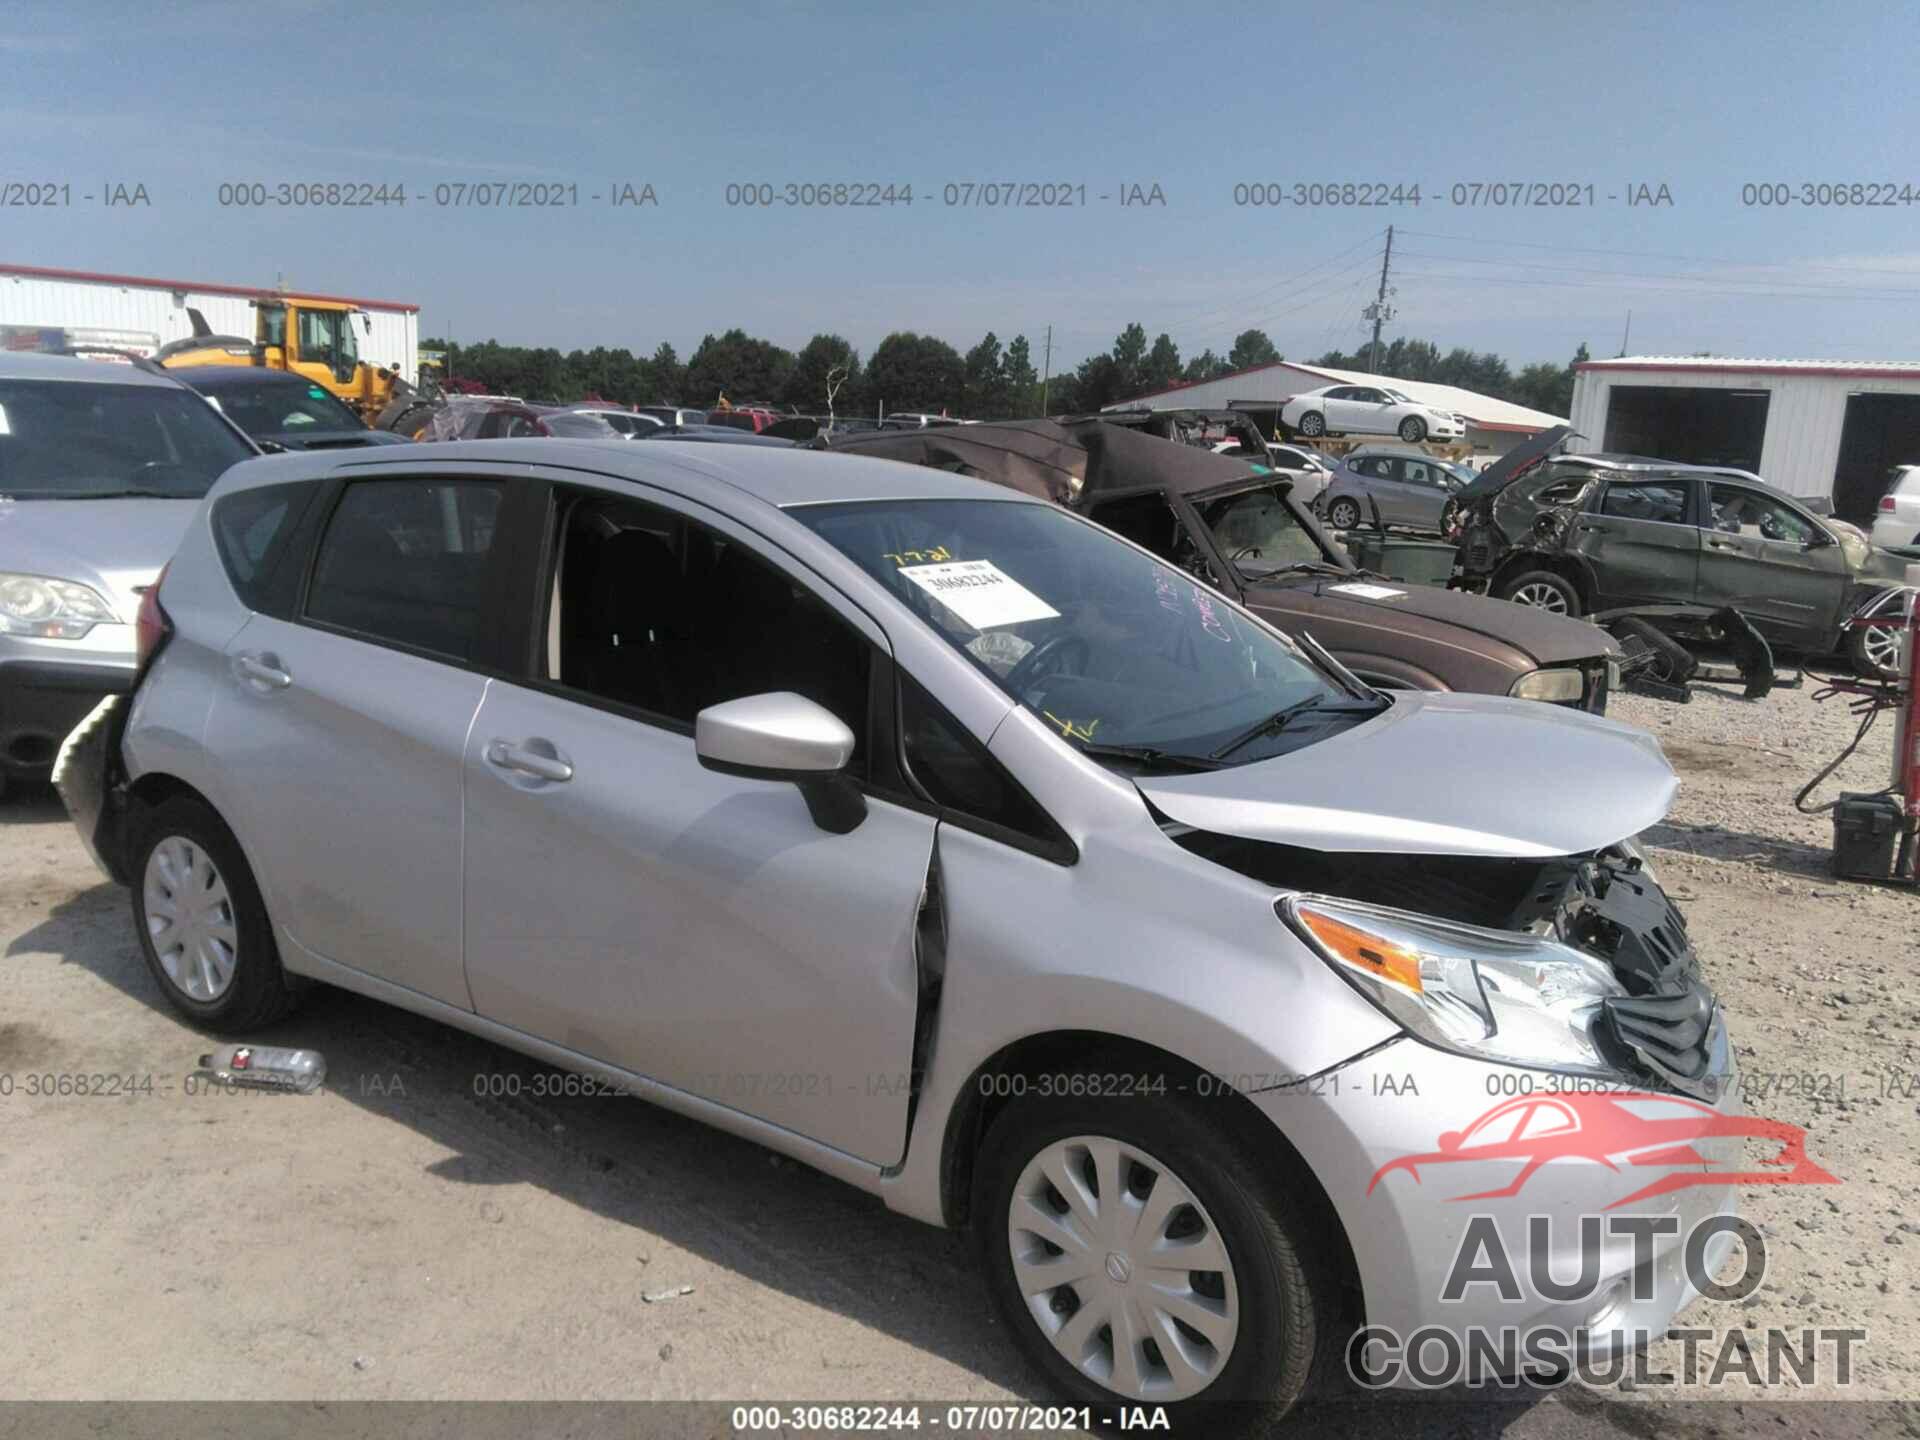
x=1489, y=994
x=49, y=609
x=1556, y=687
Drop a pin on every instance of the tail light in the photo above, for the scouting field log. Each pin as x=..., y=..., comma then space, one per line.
x=1886, y=502
x=151, y=627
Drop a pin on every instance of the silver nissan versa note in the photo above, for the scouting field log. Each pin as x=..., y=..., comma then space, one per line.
x=942, y=840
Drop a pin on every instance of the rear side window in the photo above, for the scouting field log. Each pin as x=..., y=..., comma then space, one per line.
x=406, y=560
x=253, y=531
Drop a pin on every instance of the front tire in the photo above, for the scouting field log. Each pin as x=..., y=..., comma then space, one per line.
x=1141, y=1254
x=1544, y=590
x=1344, y=513
x=202, y=925
x=1413, y=429
x=1875, y=651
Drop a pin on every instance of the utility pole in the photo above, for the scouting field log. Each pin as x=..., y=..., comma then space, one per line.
x=1046, y=372
x=1626, y=332
x=1379, y=312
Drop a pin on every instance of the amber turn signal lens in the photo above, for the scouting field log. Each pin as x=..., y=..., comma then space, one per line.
x=1363, y=950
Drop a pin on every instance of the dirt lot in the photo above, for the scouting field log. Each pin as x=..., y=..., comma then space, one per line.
x=397, y=1236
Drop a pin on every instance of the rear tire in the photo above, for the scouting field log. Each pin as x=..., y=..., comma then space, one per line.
x=1544, y=590
x=1313, y=423
x=1267, y=1304
x=202, y=925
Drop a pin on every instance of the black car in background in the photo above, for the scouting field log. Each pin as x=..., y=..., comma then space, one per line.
x=281, y=409
x=1600, y=534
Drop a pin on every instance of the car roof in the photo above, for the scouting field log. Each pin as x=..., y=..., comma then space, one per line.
x=778, y=476
x=31, y=365
x=199, y=376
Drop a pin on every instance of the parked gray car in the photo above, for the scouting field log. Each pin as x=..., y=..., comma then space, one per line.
x=1410, y=487
x=101, y=467
x=936, y=837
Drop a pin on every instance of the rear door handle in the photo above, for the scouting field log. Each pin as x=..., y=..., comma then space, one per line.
x=262, y=670
x=505, y=755
x=1722, y=545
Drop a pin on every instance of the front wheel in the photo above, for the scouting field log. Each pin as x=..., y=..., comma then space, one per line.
x=1543, y=590
x=1413, y=429
x=1140, y=1255
x=1875, y=650
x=1344, y=513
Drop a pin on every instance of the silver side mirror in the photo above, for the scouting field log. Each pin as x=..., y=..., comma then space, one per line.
x=784, y=736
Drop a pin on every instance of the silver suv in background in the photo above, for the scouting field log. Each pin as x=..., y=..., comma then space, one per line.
x=941, y=839
x=101, y=467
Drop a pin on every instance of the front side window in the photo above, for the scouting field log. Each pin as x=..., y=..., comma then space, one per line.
x=406, y=560
x=1110, y=647
x=1738, y=510
x=81, y=440
x=656, y=613
x=1258, y=533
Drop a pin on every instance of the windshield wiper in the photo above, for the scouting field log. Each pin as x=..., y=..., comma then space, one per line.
x=1280, y=719
x=1148, y=755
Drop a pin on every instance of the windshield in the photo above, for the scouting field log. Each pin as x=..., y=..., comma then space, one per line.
x=1258, y=533
x=1106, y=644
x=65, y=439
x=276, y=409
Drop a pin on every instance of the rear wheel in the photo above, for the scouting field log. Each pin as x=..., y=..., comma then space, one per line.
x=1875, y=650
x=1413, y=429
x=202, y=925
x=1141, y=1254
x=1544, y=590
x=1313, y=423
x=1344, y=513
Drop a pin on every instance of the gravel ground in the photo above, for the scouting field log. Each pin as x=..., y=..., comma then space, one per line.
x=398, y=1236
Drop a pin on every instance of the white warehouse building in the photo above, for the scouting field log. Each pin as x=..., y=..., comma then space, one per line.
x=1493, y=426
x=140, y=314
x=1820, y=429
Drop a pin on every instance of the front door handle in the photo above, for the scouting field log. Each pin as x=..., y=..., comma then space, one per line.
x=1722, y=545
x=262, y=670
x=505, y=755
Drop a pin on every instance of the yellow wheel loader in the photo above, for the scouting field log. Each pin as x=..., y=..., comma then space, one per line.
x=311, y=338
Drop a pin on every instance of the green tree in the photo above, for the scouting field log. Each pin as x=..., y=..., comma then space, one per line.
x=1205, y=366
x=1129, y=361
x=1162, y=366
x=915, y=372
x=739, y=366
x=1097, y=383
x=1250, y=348
x=987, y=395
x=819, y=358
x=665, y=377
x=1021, y=379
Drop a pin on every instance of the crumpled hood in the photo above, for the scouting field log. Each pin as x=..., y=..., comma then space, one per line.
x=112, y=545
x=1440, y=774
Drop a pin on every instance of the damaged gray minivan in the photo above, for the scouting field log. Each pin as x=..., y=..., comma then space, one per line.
x=933, y=836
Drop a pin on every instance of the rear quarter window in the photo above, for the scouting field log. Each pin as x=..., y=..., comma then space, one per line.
x=253, y=531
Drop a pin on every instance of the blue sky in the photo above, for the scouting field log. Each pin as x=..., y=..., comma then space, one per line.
x=1193, y=98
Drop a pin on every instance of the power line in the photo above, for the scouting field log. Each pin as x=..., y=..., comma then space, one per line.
x=1208, y=311
x=1653, y=255
x=1770, y=293
x=1764, y=286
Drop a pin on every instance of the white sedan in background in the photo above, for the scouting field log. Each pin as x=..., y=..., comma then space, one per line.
x=1897, y=522
x=1368, y=410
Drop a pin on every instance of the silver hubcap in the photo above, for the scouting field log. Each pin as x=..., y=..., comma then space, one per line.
x=1541, y=596
x=1122, y=1269
x=1410, y=431
x=1345, y=514
x=190, y=918
x=1881, y=644
x=1312, y=425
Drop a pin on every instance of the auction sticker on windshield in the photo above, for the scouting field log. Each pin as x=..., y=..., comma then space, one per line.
x=980, y=593
x=1366, y=592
